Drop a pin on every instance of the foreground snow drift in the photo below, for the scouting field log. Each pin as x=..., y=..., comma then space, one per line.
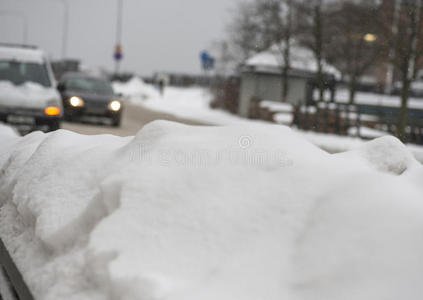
x=187, y=213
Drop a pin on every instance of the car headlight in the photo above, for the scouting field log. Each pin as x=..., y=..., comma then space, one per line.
x=115, y=105
x=76, y=101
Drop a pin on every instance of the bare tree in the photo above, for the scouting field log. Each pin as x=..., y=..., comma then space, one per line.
x=283, y=36
x=311, y=24
x=355, y=42
x=408, y=54
x=248, y=32
x=393, y=7
x=262, y=25
x=278, y=19
x=224, y=58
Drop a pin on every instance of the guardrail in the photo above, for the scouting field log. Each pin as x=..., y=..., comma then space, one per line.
x=17, y=283
x=358, y=120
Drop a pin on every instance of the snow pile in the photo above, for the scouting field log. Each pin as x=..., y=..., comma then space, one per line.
x=386, y=154
x=7, y=132
x=135, y=88
x=236, y=212
x=29, y=94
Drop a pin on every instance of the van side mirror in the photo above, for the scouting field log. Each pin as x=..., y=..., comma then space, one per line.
x=61, y=87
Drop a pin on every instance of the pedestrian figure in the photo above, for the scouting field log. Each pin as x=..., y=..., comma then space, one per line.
x=161, y=86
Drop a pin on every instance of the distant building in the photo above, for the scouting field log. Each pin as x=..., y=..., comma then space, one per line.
x=261, y=77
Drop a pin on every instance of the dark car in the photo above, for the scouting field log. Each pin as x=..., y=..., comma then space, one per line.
x=88, y=95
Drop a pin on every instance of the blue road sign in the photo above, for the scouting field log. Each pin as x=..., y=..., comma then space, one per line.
x=117, y=55
x=207, y=61
x=118, y=52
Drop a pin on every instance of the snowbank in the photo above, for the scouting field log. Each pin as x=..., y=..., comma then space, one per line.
x=135, y=89
x=187, y=213
x=194, y=104
x=7, y=132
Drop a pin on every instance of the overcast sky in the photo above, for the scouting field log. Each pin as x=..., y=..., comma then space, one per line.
x=158, y=35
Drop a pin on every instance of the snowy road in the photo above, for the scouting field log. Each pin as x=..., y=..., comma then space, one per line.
x=134, y=118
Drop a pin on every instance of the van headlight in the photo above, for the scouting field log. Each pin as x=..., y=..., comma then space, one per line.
x=76, y=101
x=114, y=105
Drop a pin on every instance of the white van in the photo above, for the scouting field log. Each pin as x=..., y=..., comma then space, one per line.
x=28, y=96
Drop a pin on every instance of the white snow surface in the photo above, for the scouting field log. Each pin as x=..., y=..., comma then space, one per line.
x=283, y=118
x=194, y=104
x=7, y=131
x=227, y=212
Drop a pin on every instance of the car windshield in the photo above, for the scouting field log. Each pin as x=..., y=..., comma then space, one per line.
x=91, y=85
x=20, y=72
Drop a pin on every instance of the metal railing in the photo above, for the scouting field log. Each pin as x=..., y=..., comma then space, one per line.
x=17, y=286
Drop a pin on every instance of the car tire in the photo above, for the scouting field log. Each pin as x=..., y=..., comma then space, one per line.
x=54, y=125
x=69, y=117
x=116, y=121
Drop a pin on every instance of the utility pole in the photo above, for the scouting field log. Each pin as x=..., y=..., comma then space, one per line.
x=118, y=34
x=65, y=28
x=408, y=66
x=411, y=69
x=394, y=29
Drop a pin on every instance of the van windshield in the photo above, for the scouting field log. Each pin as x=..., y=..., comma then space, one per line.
x=20, y=72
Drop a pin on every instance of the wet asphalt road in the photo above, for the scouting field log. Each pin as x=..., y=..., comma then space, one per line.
x=133, y=119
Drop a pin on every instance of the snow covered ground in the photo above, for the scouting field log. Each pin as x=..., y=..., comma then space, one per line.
x=248, y=211
x=193, y=103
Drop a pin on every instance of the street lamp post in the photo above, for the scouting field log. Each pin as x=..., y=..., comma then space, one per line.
x=118, y=34
x=65, y=27
x=394, y=30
